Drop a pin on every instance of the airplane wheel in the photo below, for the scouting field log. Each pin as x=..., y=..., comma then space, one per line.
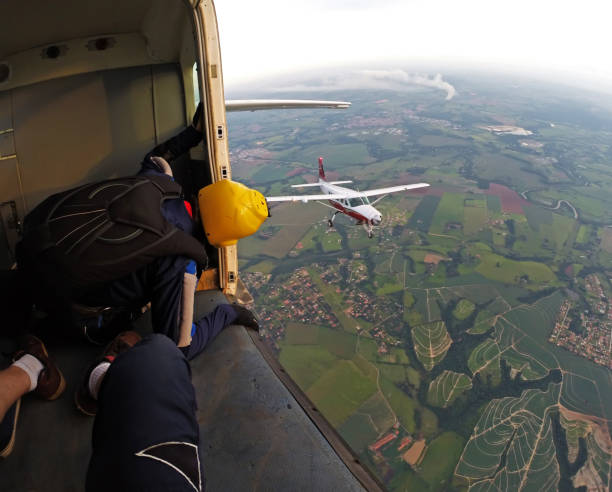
x=330, y=223
x=370, y=235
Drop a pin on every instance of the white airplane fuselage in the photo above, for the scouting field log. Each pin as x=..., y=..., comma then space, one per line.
x=358, y=208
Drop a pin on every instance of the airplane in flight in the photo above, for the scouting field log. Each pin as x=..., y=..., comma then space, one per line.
x=355, y=204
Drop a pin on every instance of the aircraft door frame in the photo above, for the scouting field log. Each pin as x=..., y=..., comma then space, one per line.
x=212, y=96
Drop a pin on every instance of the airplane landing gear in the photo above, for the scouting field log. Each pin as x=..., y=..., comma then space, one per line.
x=330, y=222
x=370, y=234
x=368, y=227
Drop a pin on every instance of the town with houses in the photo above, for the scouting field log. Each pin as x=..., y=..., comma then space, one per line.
x=299, y=299
x=593, y=338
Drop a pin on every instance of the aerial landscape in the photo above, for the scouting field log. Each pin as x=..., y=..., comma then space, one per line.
x=467, y=345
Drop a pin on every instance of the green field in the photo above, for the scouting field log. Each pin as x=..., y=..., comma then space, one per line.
x=340, y=391
x=301, y=334
x=475, y=215
x=483, y=355
x=431, y=342
x=440, y=458
x=500, y=269
x=424, y=213
x=265, y=266
x=289, y=222
x=306, y=364
x=520, y=428
x=447, y=387
x=331, y=242
x=463, y=309
x=449, y=212
x=358, y=432
x=402, y=404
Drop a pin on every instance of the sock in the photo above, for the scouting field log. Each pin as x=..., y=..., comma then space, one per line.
x=32, y=366
x=96, y=377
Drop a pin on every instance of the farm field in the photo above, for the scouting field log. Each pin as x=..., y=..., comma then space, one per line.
x=439, y=327
x=431, y=342
x=446, y=387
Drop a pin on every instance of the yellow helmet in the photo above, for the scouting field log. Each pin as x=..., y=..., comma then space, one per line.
x=230, y=211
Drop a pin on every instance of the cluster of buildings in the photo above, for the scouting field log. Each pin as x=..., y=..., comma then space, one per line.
x=298, y=299
x=372, y=309
x=358, y=271
x=506, y=130
x=408, y=448
x=435, y=122
x=595, y=340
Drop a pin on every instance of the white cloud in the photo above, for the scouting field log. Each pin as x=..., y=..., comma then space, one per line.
x=397, y=80
x=399, y=77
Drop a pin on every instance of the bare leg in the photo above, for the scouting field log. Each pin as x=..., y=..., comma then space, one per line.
x=15, y=383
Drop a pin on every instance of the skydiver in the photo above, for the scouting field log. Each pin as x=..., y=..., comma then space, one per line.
x=125, y=242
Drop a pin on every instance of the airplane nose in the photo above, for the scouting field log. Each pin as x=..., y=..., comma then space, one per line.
x=377, y=220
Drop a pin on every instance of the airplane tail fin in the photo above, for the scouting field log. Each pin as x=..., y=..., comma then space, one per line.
x=321, y=171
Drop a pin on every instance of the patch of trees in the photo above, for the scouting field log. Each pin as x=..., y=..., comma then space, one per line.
x=537, y=295
x=452, y=266
x=417, y=171
x=381, y=153
x=566, y=469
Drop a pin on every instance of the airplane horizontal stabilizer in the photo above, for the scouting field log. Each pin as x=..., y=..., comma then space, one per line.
x=319, y=184
x=307, y=198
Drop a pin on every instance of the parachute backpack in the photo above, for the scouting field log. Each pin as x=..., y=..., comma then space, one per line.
x=103, y=231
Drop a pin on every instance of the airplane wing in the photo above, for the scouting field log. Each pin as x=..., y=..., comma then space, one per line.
x=256, y=104
x=391, y=189
x=307, y=198
x=339, y=196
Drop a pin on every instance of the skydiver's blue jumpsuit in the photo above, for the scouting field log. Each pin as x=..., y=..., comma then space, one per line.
x=161, y=282
x=146, y=436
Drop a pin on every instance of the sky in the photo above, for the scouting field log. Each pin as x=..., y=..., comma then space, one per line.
x=560, y=40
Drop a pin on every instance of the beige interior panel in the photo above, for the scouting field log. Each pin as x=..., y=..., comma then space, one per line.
x=70, y=19
x=92, y=126
x=169, y=104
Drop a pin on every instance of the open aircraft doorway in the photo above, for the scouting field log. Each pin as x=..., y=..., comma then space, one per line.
x=86, y=90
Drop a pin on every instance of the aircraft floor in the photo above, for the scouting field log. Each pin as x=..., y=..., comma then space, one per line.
x=256, y=435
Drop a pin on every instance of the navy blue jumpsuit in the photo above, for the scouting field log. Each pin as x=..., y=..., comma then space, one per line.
x=146, y=436
x=161, y=282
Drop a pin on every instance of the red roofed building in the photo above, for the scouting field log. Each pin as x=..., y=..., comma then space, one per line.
x=381, y=442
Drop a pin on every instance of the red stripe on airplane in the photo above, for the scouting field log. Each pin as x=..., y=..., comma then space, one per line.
x=347, y=211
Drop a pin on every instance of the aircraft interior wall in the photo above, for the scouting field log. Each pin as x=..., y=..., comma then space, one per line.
x=60, y=133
